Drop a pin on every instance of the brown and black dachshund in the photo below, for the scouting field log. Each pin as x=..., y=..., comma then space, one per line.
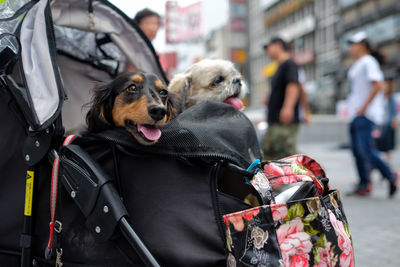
x=138, y=102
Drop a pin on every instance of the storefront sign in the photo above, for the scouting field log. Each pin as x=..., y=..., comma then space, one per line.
x=183, y=23
x=238, y=25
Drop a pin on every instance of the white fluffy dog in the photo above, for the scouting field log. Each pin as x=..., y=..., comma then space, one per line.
x=209, y=79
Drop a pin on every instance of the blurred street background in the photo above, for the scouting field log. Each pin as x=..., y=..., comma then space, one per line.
x=374, y=220
x=317, y=31
x=237, y=30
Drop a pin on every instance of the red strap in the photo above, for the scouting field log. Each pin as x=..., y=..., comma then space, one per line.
x=54, y=190
x=68, y=140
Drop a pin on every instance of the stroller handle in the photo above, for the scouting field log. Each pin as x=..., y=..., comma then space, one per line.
x=137, y=244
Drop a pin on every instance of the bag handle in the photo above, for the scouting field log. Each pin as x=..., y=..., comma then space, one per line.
x=263, y=176
x=294, y=169
x=255, y=178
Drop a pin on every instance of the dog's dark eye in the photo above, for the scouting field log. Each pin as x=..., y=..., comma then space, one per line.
x=132, y=88
x=218, y=80
x=163, y=93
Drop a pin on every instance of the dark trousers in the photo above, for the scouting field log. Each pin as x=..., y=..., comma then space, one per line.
x=364, y=151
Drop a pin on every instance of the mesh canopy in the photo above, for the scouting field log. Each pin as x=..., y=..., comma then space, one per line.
x=207, y=130
x=67, y=46
x=95, y=47
x=106, y=22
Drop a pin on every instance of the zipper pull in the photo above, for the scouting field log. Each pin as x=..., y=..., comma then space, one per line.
x=59, y=253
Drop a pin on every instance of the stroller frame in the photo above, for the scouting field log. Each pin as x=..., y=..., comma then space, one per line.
x=96, y=197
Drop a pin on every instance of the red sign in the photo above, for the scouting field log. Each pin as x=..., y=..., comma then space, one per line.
x=238, y=25
x=183, y=23
x=168, y=60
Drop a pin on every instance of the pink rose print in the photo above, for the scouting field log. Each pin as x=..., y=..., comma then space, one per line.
x=279, y=211
x=327, y=256
x=308, y=163
x=272, y=170
x=287, y=170
x=347, y=256
x=237, y=218
x=288, y=179
x=298, y=260
x=294, y=243
x=237, y=221
x=251, y=213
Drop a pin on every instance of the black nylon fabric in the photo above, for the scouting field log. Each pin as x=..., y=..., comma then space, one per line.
x=12, y=173
x=168, y=189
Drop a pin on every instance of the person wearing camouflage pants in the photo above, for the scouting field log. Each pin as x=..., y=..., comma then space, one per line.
x=283, y=103
x=280, y=141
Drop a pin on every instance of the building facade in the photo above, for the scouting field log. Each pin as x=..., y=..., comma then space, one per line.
x=310, y=27
x=380, y=19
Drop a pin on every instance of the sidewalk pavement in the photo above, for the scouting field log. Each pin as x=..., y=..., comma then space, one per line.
x=374, y=220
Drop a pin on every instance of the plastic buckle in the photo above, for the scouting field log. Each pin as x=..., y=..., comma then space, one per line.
x=253, y=165
x=57, y=226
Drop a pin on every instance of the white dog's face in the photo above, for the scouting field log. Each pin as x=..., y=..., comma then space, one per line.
x=210, y=79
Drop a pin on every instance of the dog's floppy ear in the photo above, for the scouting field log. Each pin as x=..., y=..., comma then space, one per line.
x=97, y=117
x=179, y=83
x=173, y=106
x=180, y=86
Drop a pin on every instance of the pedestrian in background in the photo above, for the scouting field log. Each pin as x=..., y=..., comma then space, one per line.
x=283, y=103
x=387, y=138
x=149, y=22
x=366, y=109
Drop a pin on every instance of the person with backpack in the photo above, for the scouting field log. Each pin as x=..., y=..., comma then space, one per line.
x=366, y=109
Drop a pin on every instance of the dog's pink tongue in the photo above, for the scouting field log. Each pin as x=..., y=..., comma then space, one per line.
x=235, y=101
x=150, y=132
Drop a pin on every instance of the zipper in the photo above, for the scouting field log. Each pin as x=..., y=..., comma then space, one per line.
x=215, y=202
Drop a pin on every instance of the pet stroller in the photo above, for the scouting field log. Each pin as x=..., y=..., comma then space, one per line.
x=51, y=52
x=105, y=200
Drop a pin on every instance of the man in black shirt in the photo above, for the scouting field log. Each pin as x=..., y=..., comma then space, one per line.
x=283, y=103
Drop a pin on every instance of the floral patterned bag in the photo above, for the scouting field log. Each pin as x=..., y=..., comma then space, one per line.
x=312, y=231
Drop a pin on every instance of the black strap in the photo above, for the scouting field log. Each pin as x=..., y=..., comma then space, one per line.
x=90, y=6
x=25, y=241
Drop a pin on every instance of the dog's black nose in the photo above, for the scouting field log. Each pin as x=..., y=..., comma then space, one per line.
x=157, y=113
x=237, y=81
